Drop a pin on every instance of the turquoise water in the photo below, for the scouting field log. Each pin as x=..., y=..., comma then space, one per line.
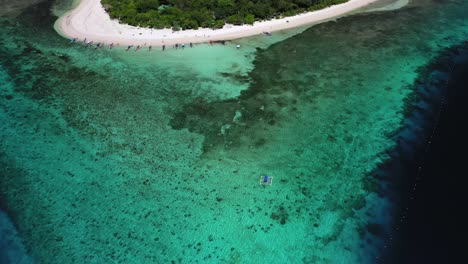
x=152, y=157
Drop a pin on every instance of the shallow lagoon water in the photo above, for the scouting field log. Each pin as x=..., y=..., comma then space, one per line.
x=151, y=157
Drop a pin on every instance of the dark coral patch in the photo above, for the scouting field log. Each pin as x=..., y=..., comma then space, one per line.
x=281, y=215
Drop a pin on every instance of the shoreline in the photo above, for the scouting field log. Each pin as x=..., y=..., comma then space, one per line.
x=90, y=21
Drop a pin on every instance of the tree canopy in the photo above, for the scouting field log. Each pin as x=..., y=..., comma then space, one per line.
x=192, y=14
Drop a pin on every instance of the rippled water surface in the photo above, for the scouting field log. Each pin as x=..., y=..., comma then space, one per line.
x=155, y=157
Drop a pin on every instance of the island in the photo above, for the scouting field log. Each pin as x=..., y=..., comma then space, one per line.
x=162, y=22
x=193, y=14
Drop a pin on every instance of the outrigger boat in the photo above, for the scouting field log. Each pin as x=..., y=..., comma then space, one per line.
x=267, y=33
x=266, y=180
x=129, y=47
x=89, y=43
x=73, y=40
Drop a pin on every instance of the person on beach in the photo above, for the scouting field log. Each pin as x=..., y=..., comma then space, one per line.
x=191, y=45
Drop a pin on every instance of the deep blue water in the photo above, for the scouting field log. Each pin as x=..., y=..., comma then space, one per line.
x=426, y=175
x=11, y=248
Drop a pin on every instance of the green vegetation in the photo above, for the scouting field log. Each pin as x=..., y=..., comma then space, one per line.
x=192, y=14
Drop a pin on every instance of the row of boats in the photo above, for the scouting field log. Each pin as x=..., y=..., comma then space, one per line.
x=129, y=47
x=139, y=47
x=91, y=43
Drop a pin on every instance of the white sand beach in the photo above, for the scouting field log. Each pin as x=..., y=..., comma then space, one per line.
x=89, y=20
